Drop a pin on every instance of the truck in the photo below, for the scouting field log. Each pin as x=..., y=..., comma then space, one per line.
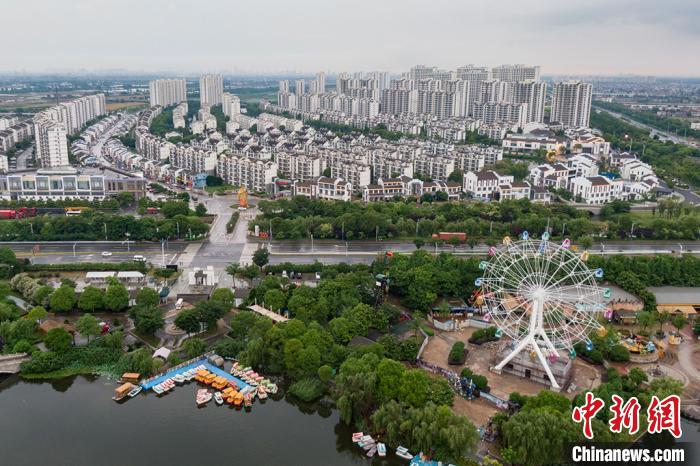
x=8, y=214
x=448, y=235
x=152, y=210
x=27, y=212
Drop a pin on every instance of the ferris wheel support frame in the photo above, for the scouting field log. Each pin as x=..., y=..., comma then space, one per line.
x=535, y=334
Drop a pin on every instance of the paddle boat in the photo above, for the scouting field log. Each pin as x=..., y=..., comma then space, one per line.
x=357, y=436
x=372, y=451
x=402, y=452
x=203, y=397
x=262, y=394
x=381, y=450
x=135, y=391
x=218, y=398
x=248, y=401
x=179, y=379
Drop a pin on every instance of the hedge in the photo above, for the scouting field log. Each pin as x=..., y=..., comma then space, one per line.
x=457, y=355
x=232, y=222
x=483, y=335
x=88, y=266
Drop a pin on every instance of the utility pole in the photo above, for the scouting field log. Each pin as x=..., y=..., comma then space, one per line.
x=312, y=242
x=74, y=248
x=105, y=225
x=162, y=250
x=128, y=247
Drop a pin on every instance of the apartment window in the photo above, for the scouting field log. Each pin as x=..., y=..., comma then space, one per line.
x=83, y=184
x=42, y=183
x=28, y=184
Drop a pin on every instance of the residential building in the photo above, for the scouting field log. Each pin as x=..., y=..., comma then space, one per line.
x=596, y=190
x=334, y=189
x=485, y=184
x=167, y=92
x=571, y=103
x=231, y=104
x=211, y=89
x=515, y=73
x=239, y=170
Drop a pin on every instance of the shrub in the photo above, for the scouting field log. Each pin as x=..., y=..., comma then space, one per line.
x=480, y=381
x=22, y=346
x=619, y=353
x=483, y=335
x=408, y=350
x=307, y=389
x=457, y=355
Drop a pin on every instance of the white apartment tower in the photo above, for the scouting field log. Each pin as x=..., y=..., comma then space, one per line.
x=571, y=103
x=299, y=87
x=284, y=86
x=515, y=73
x=166, y=92
x=320, y=86
x=533, y=94
x=211, y=89
x=231, y=105
x=51, y=143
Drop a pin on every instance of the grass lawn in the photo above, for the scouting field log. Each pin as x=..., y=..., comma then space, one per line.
x=220, y=189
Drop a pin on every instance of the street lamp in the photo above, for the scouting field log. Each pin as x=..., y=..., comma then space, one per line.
x=632, y=231
x=312, y=242
x=563, y=230
x=681, y=251
x=128, y=247
x=74, y=248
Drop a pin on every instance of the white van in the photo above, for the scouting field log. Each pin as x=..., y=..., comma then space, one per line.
x=139, y=258
x=178, y=304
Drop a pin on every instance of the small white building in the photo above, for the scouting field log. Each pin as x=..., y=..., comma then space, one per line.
x=484, y=184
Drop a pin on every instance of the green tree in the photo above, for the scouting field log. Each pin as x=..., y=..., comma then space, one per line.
x=63, y=299
x=419, y=242
x=456, y=176
x=275, y=300
x=679, y=322
x=147, y=297
x=193, y=347
x=88, y=326
x=116, y=297
x=58, y=340
x=37, y=314
x=90, y=299
x=148, y=319
x=224, y=296
x=200, y=210
x=42, y=295
x=188, y=320
x=261, y=257
x=539, y=436
x=325, y=373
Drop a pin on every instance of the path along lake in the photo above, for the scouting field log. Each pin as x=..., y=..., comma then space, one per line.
x=74, y=422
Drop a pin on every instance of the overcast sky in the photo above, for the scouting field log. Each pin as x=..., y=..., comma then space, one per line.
x=659, y=37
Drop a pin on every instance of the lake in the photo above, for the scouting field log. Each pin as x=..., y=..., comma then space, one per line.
x=74, y=422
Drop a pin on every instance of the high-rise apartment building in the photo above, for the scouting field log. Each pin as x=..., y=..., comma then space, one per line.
x=515, y=73
x=571, y=103
x=533, y=94
x=166, y=92
x=53, y=125
x=51, y=143
x=299, y=87
x=320, y=82
x=231, y=104
x=211, y=89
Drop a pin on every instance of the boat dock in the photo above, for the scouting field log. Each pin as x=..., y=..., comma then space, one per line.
x=153, y=381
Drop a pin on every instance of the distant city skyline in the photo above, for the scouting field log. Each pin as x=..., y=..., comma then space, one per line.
x=626, y=37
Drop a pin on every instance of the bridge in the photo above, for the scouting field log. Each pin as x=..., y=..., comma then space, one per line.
x=9, y=363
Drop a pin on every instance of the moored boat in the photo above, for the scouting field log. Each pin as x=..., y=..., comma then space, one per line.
x=381, y=449
x=218, y=398
x=203, y=397
x=262, y=394
x=403, y=453
x=372, y=451
x=135, y=391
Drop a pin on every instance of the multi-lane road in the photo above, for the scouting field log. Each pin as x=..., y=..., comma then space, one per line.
x=223, y=251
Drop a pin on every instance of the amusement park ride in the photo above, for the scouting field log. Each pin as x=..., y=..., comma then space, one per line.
x=543, y=296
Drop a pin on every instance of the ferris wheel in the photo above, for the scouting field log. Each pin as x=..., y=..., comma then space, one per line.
x=543, y=296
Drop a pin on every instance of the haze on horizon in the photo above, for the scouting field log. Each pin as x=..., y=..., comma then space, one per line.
x=596, y=37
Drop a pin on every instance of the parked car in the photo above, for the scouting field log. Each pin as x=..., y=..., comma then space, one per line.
x=318, y=275
x=106, y=253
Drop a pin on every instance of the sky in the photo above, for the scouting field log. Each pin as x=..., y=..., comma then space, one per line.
x=592, y=37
